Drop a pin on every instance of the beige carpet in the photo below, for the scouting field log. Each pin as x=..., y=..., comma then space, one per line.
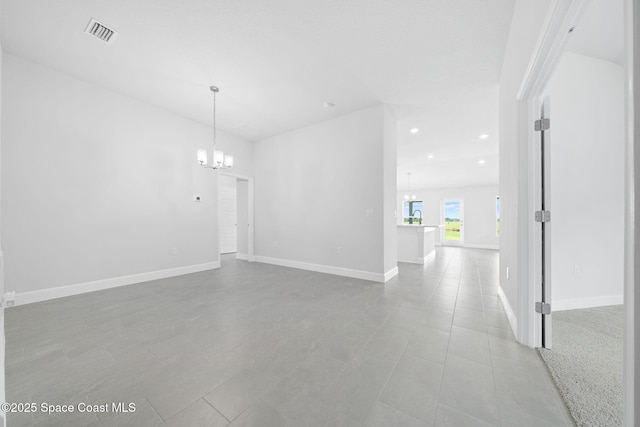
x=586, y=363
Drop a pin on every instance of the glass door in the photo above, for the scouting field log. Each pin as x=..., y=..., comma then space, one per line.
x=453, y=218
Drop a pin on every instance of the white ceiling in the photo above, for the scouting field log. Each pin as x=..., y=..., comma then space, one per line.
x=436, y=61
x=600, y=32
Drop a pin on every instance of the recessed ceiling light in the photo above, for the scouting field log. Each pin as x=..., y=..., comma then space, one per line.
x=430, y=156
x=481, y=162
x=414, y=130
x=483, y=136
x=328, y=104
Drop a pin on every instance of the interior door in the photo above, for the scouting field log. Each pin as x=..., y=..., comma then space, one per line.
x=228, y=214
x=542, y=218
x=453, y=219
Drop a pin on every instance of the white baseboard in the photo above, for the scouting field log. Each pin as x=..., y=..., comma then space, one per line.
x=574, y=304
x=391, y=274
x=481, y=246
x=511, y=316
x=243, y=257
x=320, y=268
x=98, y=285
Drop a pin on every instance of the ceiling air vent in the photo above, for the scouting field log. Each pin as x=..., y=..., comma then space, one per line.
x=100, y=31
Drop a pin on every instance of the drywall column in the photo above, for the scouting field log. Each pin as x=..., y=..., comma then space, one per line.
x=322, y=199
x=390, y=186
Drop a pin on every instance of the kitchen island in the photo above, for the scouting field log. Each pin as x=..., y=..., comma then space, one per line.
x=416, y=243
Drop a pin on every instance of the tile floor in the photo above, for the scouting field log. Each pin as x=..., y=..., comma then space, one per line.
x=260, y=345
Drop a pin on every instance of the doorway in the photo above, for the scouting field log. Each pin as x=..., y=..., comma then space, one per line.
x=578, y=269
x=453, y=220
x=235, y=216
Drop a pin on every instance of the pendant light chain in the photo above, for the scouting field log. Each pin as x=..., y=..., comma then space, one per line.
x=214, y=90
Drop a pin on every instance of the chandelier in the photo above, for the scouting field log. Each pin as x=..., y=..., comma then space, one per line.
x=409, y=196
x=220, y=160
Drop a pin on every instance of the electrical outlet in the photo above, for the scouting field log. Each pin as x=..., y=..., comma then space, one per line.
x=368, y=212
x=8, y=299
x=507, y=273
x=339, y=250
x=174, y=251
x=576, y=270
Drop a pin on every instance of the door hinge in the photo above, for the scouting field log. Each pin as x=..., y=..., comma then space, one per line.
x=543, y=216
x=542, y=124
x=543, y=308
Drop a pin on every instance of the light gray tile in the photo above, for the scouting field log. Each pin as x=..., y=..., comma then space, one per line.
x=356, y=390
x=383, y=415
x=473, y=302
x=510, y=349
x=143, y=416
x=470, y=344
x=449, y=417
x=429, y=344
x=443, y=302
x=261, y=415
x=241, y=391
x=340, y=420
x=298, y=397
x=469, y=387
x=406, y=318
x=470, y=289
x=497, y=319
x=438, y=319
x=199, y=413
x=413, y=388
x=256, y=339
x=469, y=319
x=505, y=334
x=349, y=342
x=388, y=343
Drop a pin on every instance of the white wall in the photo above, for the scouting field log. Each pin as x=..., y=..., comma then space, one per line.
x=587, y=182
x=528, y=19
x=243, y=216
x=389, y=185
x=2, y=340
x=479, y=211
x=321, y=187
x=97, y=185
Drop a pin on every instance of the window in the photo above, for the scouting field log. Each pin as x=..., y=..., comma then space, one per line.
x=412, y=212
x=498, y=216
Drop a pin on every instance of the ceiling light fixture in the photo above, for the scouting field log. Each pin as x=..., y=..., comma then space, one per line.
x=414, y=130
x=328, y=105
x=220, y=160
x=481, y=162
x=408, y=196
x=483, y=136
x=430, y=156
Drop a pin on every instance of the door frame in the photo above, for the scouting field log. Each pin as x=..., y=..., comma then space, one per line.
x=564, y=14
x=446, y=242
x=251, y=231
